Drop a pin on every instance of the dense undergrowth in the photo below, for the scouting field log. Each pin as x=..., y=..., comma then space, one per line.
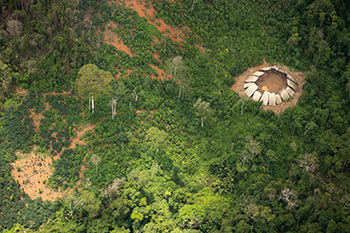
x=152, y=167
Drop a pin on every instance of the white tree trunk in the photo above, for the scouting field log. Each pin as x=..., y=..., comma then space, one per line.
x=192, y=4
x=92, y=104
x=112, y=110
x=130, y=110
x=89, y=103
x=202, y=120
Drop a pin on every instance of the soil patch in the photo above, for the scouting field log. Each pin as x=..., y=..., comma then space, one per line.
x=149, y=13
x=21, y=91
x=299, y=76
x=271, y=81
x=34, y=169
x=144, y=110
x=161, y=73
x=32, y=172
x=111, y=38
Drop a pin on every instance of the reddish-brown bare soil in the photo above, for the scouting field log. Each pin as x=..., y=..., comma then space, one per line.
x=161, y=73
x=144, y=110
x=111, y=38
x=149, y=13
x=21, y=91
x=128, y=72
x=299, y=76
x=32, y=171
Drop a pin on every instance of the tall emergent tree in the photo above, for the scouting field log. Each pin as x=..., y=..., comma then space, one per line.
x=202, y=109
x=92, y=82
x=178, y=70
x=95, y=159
x=156, y=137
x=117, y=91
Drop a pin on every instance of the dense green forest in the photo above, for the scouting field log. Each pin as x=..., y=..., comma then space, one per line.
x=184, y=154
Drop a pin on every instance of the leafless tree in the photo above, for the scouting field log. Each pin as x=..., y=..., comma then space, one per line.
x=308, y=162
x=288, y=196
x=95, y=159
x=14, y=27
x=252, y=148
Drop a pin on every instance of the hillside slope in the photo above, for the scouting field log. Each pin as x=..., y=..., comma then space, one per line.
x=118, y=116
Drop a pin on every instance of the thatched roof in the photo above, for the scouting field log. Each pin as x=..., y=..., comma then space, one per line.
x=272, y=99
x=284, y=94
x=257, y=96
x=290, y=91
x=258, y=73
x=251, y=89
x=265, y=97
x=293, y=85
x=251, y=79
x=278, y=99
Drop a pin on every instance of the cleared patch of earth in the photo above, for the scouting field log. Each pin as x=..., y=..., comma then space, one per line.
x=111, y=38
x=34, y=169
x=148, y=13
x=161, y=73
x=299, y=76
x=271, y=81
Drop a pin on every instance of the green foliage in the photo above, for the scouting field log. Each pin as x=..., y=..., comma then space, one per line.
x=92, y=81
x=150, y=168
x=156, y=137
x=16, y=130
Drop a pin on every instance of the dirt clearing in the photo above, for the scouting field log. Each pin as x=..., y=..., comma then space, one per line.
x=271, y=81
x=149, y=12
x=111, y=38
x=33, y=170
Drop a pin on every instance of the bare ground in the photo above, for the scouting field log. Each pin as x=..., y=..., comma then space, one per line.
x=271, y=81
x=299, y=76
x=34, y=169
x=148, y=13
x=113, y=39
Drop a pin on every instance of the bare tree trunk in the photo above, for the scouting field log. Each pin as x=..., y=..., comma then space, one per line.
x=216, y=70
x=202, y=120
x=112, y=110
x=36, y=92
x=134, y=95
x=92, y=104
x=130, y=110
x=192, y=4
x=89, y=103
x=180, y=91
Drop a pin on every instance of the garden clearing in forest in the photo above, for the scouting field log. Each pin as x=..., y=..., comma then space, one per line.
x=33, y=170
x=111, y=38
x=147, y=12
x=271, y=85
